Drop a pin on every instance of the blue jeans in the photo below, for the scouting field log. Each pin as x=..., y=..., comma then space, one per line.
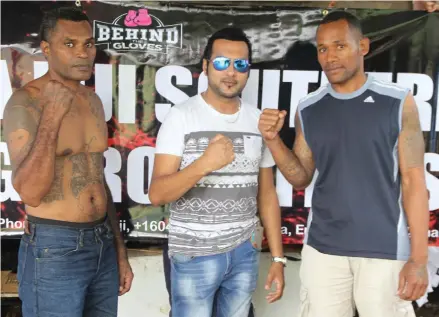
x=228, y=278
x=68, y=272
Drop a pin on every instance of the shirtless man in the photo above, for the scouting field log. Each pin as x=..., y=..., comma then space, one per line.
x=72, y=259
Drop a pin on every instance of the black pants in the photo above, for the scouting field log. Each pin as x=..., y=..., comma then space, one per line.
x=167, y=270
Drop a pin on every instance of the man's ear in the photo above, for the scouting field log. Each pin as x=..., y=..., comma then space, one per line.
x=364, y=46
x=205, y=65
x=45, y=48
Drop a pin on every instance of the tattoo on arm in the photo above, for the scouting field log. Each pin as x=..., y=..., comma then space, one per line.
x=411, y=140
x=299, y=167
x=20, y=126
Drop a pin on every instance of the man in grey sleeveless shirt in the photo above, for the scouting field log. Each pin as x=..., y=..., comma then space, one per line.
x=361, y=139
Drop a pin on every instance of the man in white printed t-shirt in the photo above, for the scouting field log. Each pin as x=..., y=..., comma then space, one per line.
x=213, y=168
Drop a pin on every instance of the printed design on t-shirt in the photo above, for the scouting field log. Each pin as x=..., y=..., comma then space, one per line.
x=185, y=238
x=247, y=155
x=225, y=200
x=225, y=181
x=241, y=163
x=227, y=206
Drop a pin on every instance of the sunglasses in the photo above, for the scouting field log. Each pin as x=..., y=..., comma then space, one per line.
x=222, y=63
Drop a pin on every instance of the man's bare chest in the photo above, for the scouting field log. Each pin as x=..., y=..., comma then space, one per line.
x=83, y=129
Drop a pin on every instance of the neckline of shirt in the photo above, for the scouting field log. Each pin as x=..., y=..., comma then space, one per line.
x=353, y=94
x=217, y=113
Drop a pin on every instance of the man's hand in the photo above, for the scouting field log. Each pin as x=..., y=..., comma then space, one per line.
x=276, y=275
x=57, y=97
x=125, y=275
x=271, y=122
x=413, y=280
x=219, y=153
x=429, y=6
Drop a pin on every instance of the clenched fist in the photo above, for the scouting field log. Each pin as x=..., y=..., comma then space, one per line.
x=219, y=153
x=57, y=97
x=271, y=122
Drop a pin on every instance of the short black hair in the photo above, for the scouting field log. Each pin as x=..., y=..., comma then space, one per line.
x=337, y=15
x=230, y=34
x=51, y=17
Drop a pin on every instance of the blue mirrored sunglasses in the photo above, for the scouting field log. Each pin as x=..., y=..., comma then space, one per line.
x=222, y=63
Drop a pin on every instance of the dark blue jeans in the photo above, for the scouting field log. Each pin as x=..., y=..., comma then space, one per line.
x=167, y=271
x=68, y=272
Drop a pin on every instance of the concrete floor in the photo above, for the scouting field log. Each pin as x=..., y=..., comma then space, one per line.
x=148, y=296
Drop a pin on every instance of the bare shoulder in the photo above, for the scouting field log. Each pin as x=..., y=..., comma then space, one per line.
x=22, y=106
x=89, y=94
x=92, y=100
x=410, y=109
x=20, y=122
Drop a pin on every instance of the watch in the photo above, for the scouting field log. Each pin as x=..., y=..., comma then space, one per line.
x=279, y=259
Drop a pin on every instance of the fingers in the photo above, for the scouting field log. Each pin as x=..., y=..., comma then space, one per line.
x=277, y=294
x=401, y=283
x=282, y=114
x=269, y=281
x=408, y=291
x=121, y=284
x=125, y=283
x=274, y=276
x=272, y=120
x=416, y=288
x=419, y=290
x=274, y=113
x=217, y=138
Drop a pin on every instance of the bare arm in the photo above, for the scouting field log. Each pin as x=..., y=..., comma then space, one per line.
x=270, y=211
x=414, y=189
x=125, y=272
x=168, y=184
x=31, y=136
x=114, y=222
x=296, y=166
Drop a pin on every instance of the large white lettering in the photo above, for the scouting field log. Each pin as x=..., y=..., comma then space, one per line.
x=424, y=92
x=9, y=191
x=104, y=33
x=432, y=181
x=6, y=88
x=165, y=88
x=300, y=81
x=202, y=83
x=127, y=94
x=136, y=173
x=284, y=190
x=250, y=92
x=104, y=81
x=270, y=89
x=113, y=165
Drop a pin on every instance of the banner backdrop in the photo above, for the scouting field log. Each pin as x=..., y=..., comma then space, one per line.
x=143, y=68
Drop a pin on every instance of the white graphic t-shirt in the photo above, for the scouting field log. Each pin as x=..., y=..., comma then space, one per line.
x=219, y=212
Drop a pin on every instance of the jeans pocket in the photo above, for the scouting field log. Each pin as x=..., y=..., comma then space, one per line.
x=252, y=246
x=53, y=253
x=178, y=258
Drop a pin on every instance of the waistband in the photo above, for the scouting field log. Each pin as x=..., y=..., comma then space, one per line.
x=68, y=224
